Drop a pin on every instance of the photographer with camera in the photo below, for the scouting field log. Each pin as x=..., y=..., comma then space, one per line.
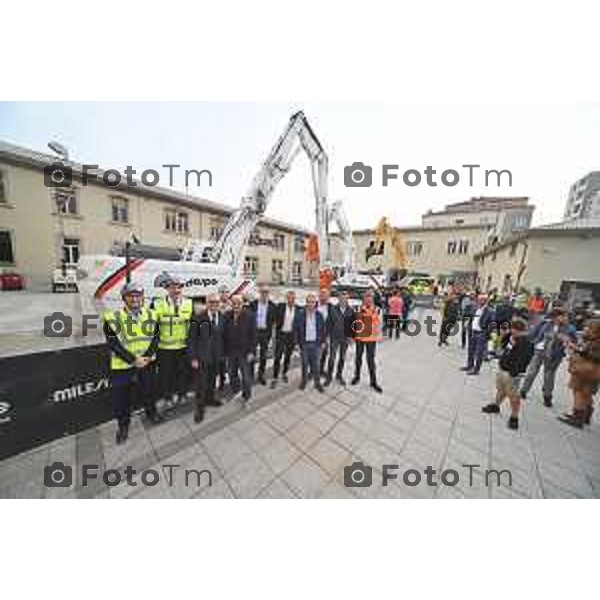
x=132, y=335
x=366, y=332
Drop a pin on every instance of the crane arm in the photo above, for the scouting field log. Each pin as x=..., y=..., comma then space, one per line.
x=297, y=136
x=338, y=216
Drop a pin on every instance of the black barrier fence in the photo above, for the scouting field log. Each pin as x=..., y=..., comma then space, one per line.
x=47, y=395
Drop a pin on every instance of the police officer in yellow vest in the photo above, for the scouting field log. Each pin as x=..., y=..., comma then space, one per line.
x=173, y=313
x=132, y=335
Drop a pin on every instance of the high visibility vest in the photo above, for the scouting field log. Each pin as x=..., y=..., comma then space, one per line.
x=173, y=327
x=535, y=304
x=373, y=323
x=135, y=335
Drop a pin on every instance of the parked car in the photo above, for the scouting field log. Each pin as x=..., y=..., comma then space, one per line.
x=9, y=280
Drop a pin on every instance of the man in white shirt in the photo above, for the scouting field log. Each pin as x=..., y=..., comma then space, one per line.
x=284, y=339
x=264, y=312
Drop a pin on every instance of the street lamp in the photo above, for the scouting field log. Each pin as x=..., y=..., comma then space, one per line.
x=63, y=154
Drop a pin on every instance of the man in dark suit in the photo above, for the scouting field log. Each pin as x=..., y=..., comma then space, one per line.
x=479, y=328
x=324, y=307
x=205, y=345
x=284, y=336
x=264, y=315
x=239, y=341
x=338, y=315
x=309, y=334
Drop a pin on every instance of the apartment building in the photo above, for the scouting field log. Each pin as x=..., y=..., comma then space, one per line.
x=40, y=227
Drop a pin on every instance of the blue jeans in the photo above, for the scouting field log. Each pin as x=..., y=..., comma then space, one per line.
x=311, y=357
x=477, y=349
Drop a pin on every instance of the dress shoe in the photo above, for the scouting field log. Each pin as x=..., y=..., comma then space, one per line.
x=284, y=378
x=302, y=385
x=341, y=380
x=377, y=388
x=355, y=380
x=273, y=384
x=155, y=418
x=492, y=408
x=198, y=415
x=214, y=403
x=327, y=381
x=465, y=369
x=319, y=388
x=548, y=402
x=122, y=434
x=262, y=381
x=472, y=372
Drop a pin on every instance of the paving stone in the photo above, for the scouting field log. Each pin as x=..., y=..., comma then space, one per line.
x=305, y=478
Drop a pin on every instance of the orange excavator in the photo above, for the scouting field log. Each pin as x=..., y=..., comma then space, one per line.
x=388, y=236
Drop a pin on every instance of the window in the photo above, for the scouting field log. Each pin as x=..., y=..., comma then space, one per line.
x=414, y=248
x=6, y=248
x=66, y=201
x=71, y=251
x=463, y=247
x=279, y=241
x=459, y=221
x=216, y=230
x=277, y=271
x=176, y=221
x=3, y=194
x=452, y=247
x=250, y=266
x=519, y=222
x=120, y=210
x=297, y=270
x=299, y=243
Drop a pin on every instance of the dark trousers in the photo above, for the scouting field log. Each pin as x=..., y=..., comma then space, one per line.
x=222, y=372
x=393, y=323
x=325, y=352
x=132, y=387
x=476, y=350
x=405, y=314
x=464, y=331
x=240, y=375
x=263, y=338
x=310, y=353
x=338, y=349
x=173, y=372
x=447, y=328
x=284, y=346
x=206, y=381
x=370, y=349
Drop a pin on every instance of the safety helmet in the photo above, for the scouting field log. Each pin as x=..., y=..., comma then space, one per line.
x=130, y=289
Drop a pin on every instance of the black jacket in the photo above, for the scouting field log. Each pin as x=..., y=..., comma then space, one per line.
x=271, y=309
x=340, y=321
x=239, y=337
x=205, y=340
x=516, y=355
x=280, y=316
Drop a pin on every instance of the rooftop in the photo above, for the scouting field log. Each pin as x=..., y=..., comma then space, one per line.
x=21, y=156
x=483, y=203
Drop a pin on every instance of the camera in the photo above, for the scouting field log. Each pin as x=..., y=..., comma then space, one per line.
x=358, y=175
x=58, y=175
x=58, y=325
x=358, y=475
x=358, y=326
x=58, y=475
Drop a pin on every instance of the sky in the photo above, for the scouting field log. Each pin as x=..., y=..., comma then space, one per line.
x=546, y=146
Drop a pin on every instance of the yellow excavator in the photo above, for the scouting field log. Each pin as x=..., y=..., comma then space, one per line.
x=388, y=236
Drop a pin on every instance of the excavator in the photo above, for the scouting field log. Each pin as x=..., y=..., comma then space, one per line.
x=205, y=268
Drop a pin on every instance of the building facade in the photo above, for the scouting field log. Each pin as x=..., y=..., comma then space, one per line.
x=543, y=257
x=40, y=227
x=584, y=198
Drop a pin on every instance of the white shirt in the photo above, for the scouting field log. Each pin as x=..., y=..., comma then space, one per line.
x=261, y=315
x=324, y=310
x=477, y=319
x=311, y=327
x=288, y=319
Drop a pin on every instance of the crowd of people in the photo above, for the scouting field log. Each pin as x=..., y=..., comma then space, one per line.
x=220, y=349
x=528, y=334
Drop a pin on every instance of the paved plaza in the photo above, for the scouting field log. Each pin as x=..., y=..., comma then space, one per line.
x=295, y=444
